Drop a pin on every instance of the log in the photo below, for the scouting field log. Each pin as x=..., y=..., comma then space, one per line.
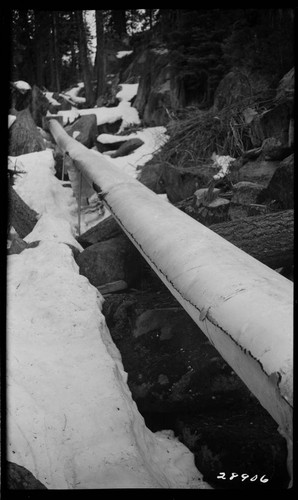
x=24, y=136
x=244, y=308
x=268, y=238
x=21, y=216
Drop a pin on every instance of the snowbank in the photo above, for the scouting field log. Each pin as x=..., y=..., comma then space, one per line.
x=45, y=194
x=71, y=419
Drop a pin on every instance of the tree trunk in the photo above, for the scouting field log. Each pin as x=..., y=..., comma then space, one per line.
x=244, y=308
x=119, y=21
x=100, y=54
x=84, y=59
x=21, y=216
x=56, y=51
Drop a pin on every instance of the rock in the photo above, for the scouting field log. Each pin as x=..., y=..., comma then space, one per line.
x=260, y=171
x=103, y=231
x=127, y=147
x=180, y=183
x=151, y=176
x=108, y=261
x=286, y=88
x=84, y=130
x=159, y=91
x=109, y=128
x=273, y=149
x=20, y=478
x=281, y=186
x=273, y=122
x=236, y=86
x=39, y=105
x=65, y=102
x=245, y=194
x=102, y=147
x=24, y=136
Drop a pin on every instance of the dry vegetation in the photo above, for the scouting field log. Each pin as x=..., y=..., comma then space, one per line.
x=195, y=134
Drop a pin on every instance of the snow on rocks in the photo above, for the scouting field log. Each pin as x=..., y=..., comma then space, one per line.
x=224, y=163
x=50, y=98
x=123, y=53
x=153, y=138
x=73, y=93
x=22, y=86
x=72, y=420
x=128, y=91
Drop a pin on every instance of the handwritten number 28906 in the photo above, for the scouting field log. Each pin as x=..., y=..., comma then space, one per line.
x=262, y=479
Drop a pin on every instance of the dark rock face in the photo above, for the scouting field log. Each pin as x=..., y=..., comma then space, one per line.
x=159, y=92
x=236, y=86
x=19, y=478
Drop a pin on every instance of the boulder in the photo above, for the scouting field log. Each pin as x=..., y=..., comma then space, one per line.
x=180, y=183
x=273, y=149
x=237, y=86
x=84, y=130
x=65, y=102
x=280, y=189
x=273, y=122
x=108, y=261
x=151, y=176
x=24, y=136
x=127, y=147
x=245, y=194
x=109, y=128
x=103, y=231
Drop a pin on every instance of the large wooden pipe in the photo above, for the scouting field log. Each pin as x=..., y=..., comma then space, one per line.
x=244, y=308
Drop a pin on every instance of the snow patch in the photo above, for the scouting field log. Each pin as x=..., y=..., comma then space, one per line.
x=21, y=85
x=11, y=120
x=128, y=91
x=123, y=53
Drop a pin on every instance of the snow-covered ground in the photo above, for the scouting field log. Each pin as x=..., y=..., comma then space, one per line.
x=71, y=418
